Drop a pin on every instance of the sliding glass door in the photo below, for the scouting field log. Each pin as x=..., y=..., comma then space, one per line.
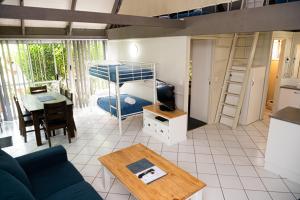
x=55, y=63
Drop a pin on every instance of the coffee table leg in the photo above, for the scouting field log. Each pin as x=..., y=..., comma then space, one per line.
x=197, y=196
x=106, y=179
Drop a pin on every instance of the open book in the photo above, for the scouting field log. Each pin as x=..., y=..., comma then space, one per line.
x=146, y=171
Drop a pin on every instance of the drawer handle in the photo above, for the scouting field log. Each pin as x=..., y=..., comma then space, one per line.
x=296, y=92
x=148, y=124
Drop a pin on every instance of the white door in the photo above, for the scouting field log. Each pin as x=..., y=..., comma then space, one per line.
x=255, y=93
x=201, y=54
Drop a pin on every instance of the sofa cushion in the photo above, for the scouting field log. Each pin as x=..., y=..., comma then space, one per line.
x=78, y=191
x=13, y=189
x=10, y=165
x=53, y=179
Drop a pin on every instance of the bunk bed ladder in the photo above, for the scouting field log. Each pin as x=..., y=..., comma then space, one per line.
x=236, y=78
x=118, y=103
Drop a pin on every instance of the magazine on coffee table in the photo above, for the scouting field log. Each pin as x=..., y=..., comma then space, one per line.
x=146, y=171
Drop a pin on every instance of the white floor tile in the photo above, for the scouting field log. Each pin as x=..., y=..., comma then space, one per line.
x=282, y=196
x=252, y=183
x=210, y=180
x=117, y=197
x=274, y=185
x=222, y=159
x=226, y=169
x=258, y=195
x=211, y=193
x=232, y=182
x=234, y=194
x=246, y=171
x=294, y=187
x=204, y=158
x=206, y=168
x=186, y=157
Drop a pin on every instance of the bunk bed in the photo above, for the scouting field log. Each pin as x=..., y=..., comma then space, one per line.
x=116, y=103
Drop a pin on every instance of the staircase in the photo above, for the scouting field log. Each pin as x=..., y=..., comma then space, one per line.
x=236, y=78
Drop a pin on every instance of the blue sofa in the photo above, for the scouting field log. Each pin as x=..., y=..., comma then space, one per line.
x=42, y=175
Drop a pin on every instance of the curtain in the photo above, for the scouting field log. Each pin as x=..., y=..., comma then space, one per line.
x=55, y=63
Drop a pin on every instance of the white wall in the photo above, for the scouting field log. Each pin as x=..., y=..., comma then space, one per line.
x=170, y=53
x=201, y=55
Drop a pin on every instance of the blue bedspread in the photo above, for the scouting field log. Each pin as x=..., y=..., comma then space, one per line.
x=126, y=109
x=126, y=73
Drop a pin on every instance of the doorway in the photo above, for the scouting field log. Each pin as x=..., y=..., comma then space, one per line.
x=296, y=62
x=275, y=71
x=199, y=81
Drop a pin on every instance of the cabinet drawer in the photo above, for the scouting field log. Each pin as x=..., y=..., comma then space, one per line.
x=163, y=131
x=150, y=124
x=289, y=97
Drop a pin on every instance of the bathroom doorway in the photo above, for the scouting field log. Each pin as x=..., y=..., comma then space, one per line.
x=275, y=71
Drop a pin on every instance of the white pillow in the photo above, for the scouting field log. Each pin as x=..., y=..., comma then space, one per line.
x=130, y=100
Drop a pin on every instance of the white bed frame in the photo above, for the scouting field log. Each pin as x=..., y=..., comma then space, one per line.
x=134, y=66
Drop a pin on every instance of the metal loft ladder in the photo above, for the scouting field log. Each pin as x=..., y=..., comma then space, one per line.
x=236, y=78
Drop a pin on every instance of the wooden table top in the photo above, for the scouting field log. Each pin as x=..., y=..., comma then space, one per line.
x=169, y=115
x=32, y=103
x=176, y=185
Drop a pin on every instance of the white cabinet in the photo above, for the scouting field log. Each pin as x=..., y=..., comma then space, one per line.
x=253, y=96
x=288, y=97
x=170, y=130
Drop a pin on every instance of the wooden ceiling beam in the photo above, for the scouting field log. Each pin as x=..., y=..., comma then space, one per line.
x=22, y=20
x=70, y=25
x=34, y=13
x=115, y=10
x=37, y=32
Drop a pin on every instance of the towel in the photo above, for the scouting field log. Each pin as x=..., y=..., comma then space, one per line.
x=130, y=100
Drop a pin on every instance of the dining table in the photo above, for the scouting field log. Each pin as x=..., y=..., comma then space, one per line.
x=34, y=103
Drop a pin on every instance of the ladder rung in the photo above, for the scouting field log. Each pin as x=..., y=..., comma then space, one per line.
x=228, y=104
x=235, y=82
x=240, y=58
x=228, y=116
x=243, y=66
x=238, y=70
x=245, y=36
x=242, y=46
x=232, y=94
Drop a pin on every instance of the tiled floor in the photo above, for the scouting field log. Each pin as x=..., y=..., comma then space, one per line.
x=229, y=161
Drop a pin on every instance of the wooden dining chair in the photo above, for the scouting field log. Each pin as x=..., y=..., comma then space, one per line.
x=55, y=118
x=69, y=95
x=38, y=89
x=62, y=91
x=25, y=120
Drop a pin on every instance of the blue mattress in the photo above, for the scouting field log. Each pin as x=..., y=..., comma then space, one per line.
x=126, y=108
x=126, y=73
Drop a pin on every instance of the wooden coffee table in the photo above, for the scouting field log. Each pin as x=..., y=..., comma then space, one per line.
x=176, y=185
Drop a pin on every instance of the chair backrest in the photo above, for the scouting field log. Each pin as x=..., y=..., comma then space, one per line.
x=55, y=111
x=38, y=89
x=69, y=94
x=20, y=114
x=62, y=91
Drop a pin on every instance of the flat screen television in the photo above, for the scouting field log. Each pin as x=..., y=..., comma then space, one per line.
x=165, y=95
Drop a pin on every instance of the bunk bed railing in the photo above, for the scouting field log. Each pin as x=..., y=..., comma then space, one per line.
x=120, y=73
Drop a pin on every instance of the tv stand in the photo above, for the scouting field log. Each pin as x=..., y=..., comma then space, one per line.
x=171, y=130
x=165, y=108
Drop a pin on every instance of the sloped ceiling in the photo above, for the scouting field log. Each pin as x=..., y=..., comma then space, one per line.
x=150, y=8
x=147, y=8
x=104, y=6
